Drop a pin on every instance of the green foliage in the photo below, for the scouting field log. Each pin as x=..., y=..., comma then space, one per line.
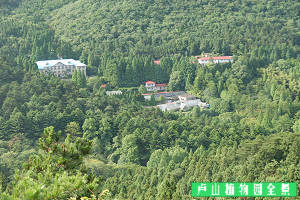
x=142, y=89
x=79, y=79
x=244, y=117
x=73, y=129
x=124, y=55
x=176, y=81
x=161, y=159
x=55, y=173
x=103, y=195
x=249, y=133
x=196, y=112
x=179, y=27
x=133, y=150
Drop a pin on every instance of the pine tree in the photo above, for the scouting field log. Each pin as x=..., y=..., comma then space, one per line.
x=84, y=81
x=196, y=112
x=129, y=75
x=81, y=79
x=56, y=173
x=75, y=77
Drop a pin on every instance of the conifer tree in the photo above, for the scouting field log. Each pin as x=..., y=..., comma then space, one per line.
x=81, y=79
x=57, y=172
x=84, y=81
x=75, y=77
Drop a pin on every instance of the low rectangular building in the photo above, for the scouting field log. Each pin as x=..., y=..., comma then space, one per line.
x=218, y=59
x=118, y=92
x=186, y=97
x=189, y=104
x=174, y=106
x=185, y=103
x=166, y=95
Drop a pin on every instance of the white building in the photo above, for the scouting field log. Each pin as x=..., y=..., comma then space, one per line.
x=152, y=86
x=117, y=92
x=183, y=105
x=186, y=97
x=61, y=67
x=189, y=104
x=218, y=59
x=174, y=106
x=166, y=95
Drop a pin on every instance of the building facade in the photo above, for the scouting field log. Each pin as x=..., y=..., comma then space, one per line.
x=218, y=59
x=61, y=67
x=118, y=92
x=152, y=86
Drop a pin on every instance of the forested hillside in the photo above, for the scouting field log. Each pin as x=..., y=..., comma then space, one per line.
x=98, y=31
x=62, y=140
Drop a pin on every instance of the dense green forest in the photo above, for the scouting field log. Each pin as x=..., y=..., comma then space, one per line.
x=66, y=139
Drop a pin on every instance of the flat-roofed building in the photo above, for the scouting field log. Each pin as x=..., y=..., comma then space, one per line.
x=186, y=97
x=166, y=95
x=217, y=59
x=118, y=92
x=174, y=106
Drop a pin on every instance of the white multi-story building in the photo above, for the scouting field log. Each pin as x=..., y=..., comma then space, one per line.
x=61, y=67
x=218, y=59
x=152, y=86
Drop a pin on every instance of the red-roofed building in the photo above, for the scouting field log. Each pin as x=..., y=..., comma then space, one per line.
x=218, y=59
x=157, y=62
x=152, y=86
x=150, y=83
x=161, y=86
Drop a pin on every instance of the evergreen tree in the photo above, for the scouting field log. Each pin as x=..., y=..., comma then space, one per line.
x=75, y=79
x=57, y=173
x=196, y=112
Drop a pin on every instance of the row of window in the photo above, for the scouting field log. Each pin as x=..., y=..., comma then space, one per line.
x=64, y=67
x=61, y=71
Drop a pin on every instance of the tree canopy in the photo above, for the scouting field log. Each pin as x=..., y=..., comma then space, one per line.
x=67, y=139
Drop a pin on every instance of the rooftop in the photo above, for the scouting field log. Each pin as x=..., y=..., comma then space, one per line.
x=187, y=95
x=157, y=62
x=150, y=82
x=215, y=58
x=161, y=85
x=49, y=63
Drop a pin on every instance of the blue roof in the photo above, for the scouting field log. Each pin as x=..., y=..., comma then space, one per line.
x=50, y=63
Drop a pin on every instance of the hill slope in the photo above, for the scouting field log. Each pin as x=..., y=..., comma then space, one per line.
x=166, y=27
